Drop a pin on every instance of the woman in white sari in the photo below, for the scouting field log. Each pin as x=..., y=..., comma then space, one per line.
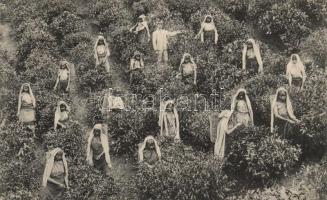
x=295, y=72
x=98, y=150
x=208, y=30
x=282, y=113
x=102, y=53
x=26, y=106
x=55, y=176
x=63, y=78
x=149, y=152
x=224, y=127
x=242, y=109
x=169, y=120
x=251, y=57
x=61, y=115
x=141, y=29
x=188, y=68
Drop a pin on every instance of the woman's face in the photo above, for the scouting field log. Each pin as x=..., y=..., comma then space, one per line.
x=97, y=132
x=282, y=96
x=187, y=59
x=249, y=45
x=150, y=144
x=170, y=107
x=137, y=57
x=58, y=156
x=140, y=20
x=208, y=20
x=241, y=96
x=63, y=108
x=26, y=88
x=101, y=41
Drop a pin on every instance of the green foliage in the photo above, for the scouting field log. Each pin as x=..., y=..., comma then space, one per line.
x=71, y=140
x=128, y=128
x=316, y=46
x=195, y=129
x=88, y=183
x=20, y=167
x=182, y=174
x=285, y=20
x=66, y=23
x=257, y=155
x=94, y=80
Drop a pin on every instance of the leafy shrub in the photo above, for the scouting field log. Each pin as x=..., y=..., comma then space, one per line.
x=71, y=140
x=285, y=20
x=128, y=128
x=257, y=155
x=20, y=167
x=73, y=39
x=183, y=174
x=94, y=80
x=88, y=183
x=315, y=9
x=66, y=23
x=315, y=46
x=186, y=8
x=197, y=131
x=111, y=13
x=82, y=55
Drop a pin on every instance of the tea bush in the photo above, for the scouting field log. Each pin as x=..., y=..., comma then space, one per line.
x=183, y=174
x=315, y=46
x=286, y=21
x=71, y=140
x=88, y=183
x=257, y=155
x=128, y=128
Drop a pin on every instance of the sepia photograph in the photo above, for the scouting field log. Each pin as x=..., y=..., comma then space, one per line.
x=163, y=99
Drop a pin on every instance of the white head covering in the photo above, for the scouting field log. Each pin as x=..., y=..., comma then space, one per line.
x=192, y=61
x=100, y=37
x=212, y=23
x=223, y=118
x=256, y=49
x=143, y=145
x=299, y=65
x=288, y=106
x=248, y=102
x=20, y=96
x=49, y=164
x=162, y=115
x=133, y=60
x=104, y=142
x=57, y=113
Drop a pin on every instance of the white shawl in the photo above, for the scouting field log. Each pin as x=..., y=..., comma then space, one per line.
x=57, y=113
x=104, y=142
x=202, y=27
x=133, y=60
x=192, y=61
x=288, y=105
x=248, y=102
x=299, y=65
x=20, y=96
x=49, y=164
x=143, y=145
x=163, y=119
x=256, y=49
x=95, y=49
x=222, y=129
